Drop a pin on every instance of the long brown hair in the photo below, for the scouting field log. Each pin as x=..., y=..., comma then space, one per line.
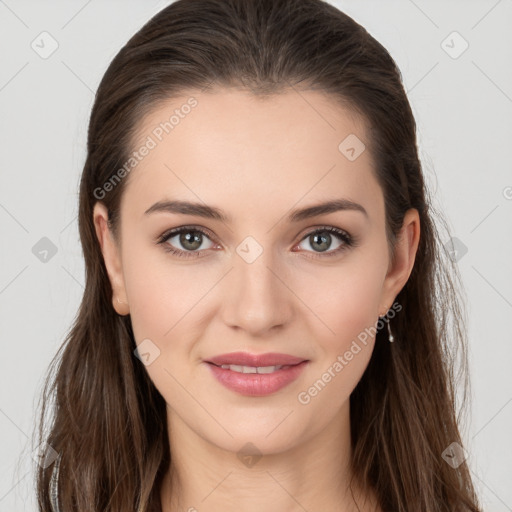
x=107, y=420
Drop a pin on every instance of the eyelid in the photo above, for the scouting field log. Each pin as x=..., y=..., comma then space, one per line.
x=176, y=231
x=325, y=227
x=346, y=238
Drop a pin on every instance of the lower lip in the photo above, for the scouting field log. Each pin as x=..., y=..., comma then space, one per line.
x=257, y=384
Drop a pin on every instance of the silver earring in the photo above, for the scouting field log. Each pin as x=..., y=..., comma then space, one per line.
x=391, y=337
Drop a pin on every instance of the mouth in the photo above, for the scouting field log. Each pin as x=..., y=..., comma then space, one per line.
x=256, y=375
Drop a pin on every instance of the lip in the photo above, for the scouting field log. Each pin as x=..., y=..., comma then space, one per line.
x=246, y=359
x=256, y=384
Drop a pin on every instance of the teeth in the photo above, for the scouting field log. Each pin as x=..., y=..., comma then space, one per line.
x=251, y=369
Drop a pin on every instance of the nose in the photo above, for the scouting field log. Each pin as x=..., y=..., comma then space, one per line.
x=257, y=299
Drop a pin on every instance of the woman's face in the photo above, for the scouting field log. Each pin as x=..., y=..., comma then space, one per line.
x=263, y=279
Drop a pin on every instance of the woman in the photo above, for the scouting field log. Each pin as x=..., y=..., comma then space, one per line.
x=266, y=315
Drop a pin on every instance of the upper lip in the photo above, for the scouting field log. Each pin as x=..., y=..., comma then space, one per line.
x=255, y=360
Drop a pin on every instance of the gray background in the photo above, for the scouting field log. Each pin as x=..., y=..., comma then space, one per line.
x=463, y=108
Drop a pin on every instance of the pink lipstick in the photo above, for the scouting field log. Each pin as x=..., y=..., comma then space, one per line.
x=256, y=374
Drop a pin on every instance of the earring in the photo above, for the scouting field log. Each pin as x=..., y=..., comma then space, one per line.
x=391, y=337
x=390, y=334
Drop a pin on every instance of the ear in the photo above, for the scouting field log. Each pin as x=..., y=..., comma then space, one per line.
x=405, y=254
x=112, y=258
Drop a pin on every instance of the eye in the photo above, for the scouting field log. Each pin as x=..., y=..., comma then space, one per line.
x=189, y=237
x=321, y=240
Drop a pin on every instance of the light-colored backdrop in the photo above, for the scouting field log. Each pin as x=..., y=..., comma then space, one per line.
x=462, y=100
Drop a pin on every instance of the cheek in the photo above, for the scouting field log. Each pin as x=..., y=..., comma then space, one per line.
x=355, y=307
x=345, y=304
x=165, y=308
x=342, y=302
x=345, y=347
x=161, y=293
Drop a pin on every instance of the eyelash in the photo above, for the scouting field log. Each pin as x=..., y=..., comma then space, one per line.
x=348, y=241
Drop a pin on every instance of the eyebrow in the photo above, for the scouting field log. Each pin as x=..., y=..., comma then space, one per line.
x=210, y=212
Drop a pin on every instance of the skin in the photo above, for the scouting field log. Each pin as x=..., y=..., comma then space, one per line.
x=257, y=160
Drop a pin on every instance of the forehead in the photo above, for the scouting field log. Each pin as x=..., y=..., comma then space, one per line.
x=229, y=146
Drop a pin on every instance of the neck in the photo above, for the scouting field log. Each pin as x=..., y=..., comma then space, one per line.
x=313, y=475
